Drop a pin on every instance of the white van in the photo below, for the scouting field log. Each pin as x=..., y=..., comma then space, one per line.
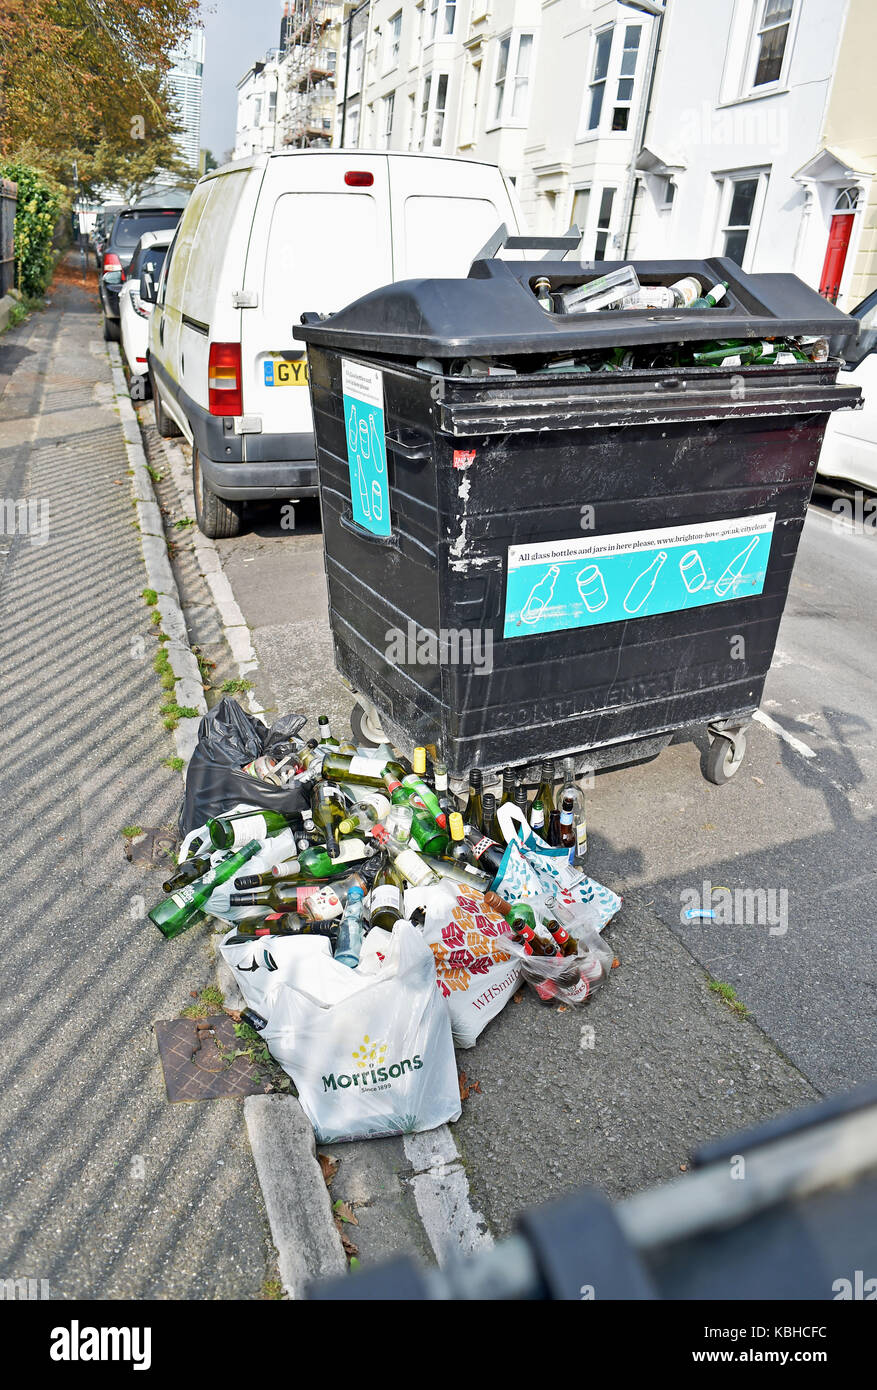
x=262, y=241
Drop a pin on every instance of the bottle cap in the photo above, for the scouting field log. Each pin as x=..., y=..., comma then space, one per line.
x=475, y=778
x=418, y=761
x=455, y=824
x=354, y=892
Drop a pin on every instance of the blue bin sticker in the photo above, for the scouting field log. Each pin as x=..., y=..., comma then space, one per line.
x=634, y=574
x=363, y=389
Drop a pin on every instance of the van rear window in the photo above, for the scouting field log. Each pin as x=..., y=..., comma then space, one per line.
x=443, y=233
x=324, y=250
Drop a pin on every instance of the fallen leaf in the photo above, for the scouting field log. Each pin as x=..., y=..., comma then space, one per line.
x=350, y=1250
x=561, y=1008
x=615, y=962
x=193, y=994
x=344, y=1213
x=683, y=1167
x=464, y=1089
x=476, y=1086
x=519, y=997
x=759, y=781
x=328, y=1167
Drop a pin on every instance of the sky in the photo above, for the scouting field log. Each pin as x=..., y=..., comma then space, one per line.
x=237, y=33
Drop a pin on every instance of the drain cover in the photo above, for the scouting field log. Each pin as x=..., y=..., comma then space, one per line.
x=156, y=847
x=191, y=1052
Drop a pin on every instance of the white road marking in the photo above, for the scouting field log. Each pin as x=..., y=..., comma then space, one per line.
x=441, y=1191
x=784, y=734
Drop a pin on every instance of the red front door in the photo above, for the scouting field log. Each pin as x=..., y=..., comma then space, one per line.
x=836, y=255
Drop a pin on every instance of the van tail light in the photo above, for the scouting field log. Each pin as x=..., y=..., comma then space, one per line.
x=225, y=390
x=112, y=262
x=359, y=178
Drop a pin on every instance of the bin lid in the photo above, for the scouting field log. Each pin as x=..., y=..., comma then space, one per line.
x=494, y=312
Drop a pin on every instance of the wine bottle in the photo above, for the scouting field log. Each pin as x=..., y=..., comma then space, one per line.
x=313, y=863
x=406, y=859
x=231, y=832
x=185, y=906
x=326, y=740
x=491, y=824
x=385, y=901
x=443, y=796
x=189, y=869
x=580, y=819
x=328, y=811
x=545, y=794
x=473, y=813
x=508, y=785
x=427, y=796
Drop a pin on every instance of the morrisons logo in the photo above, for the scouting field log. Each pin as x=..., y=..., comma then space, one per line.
x=372, y=1076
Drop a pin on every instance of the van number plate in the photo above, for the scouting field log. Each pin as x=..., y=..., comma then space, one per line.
x=279, y=371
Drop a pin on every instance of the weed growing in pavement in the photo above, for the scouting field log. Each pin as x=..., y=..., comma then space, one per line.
x=235, y=687
x=729, y=994
x=173, y=713
x=271, y=1289
x=183, y=522
x=210, y=1000
x=175, y=764
x=131, y=832
x=205, y=665
x=149, y=596
x=154, y=473
x=156, y=618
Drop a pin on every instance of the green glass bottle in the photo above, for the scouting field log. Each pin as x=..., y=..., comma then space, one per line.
x=328, y=811
x=230, y=832
x=310, y=864
x=508, y=785
x=709, y=300
x=428, y=837
x=491, y=824
x=426, y=796
x=184, y=908
x=386, y=901
x=545, y=795
x=326, y=739
x=374, y=772
x=189, y=870
x=473, y=812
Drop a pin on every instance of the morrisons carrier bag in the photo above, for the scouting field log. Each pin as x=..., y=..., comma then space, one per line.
x=370, y=1053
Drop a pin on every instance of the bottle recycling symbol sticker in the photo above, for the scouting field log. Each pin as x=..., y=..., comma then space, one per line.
x=584, y=582
x=363, y=391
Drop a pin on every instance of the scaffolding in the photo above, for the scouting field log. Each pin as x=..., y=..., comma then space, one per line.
x=313, y=36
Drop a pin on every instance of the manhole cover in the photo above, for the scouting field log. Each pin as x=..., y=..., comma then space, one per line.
x=191, y=1052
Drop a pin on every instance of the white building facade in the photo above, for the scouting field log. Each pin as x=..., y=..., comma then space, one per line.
x=185, y=80
x=288, y=97
x=703, y=127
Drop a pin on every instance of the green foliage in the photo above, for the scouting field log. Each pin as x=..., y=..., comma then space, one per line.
x=36, y=213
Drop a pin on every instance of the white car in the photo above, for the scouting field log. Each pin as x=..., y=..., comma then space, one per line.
x=262, y=241
x=135, y=311
x=849, y=451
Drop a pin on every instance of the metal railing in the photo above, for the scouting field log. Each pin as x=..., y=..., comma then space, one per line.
x=8, y=203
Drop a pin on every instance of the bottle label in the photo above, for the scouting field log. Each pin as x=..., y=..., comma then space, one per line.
x=387, y=895
x=184, y=897
x=350, y=849
x=249, y=828
x=581, y=837
x=733, y=361
x=411, y=866
x=576, y=992
x=783, y=359
x=323, y=904
x=379, y=804
x=566, y=817
x=537, y=820
x=366, y=767
x=482, y=846
x=546, y=989
x=303, y=893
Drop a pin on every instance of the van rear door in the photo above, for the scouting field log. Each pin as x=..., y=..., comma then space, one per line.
x=443, y=212
x=320, y=238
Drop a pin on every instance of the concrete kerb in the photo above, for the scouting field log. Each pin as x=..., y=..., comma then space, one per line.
x=188, y=690
x=209, y=562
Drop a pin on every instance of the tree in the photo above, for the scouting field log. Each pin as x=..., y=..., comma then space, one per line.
x=84, y=80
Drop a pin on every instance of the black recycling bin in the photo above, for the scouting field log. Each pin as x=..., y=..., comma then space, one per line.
x=547, y=560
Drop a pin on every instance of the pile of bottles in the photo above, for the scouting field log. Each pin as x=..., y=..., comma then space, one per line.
x=377, y=835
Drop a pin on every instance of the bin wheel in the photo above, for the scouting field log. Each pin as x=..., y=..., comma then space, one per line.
x=724, y=757
x=364, y=730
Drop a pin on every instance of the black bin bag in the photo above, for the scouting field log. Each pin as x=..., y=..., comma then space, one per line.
x=229, y=737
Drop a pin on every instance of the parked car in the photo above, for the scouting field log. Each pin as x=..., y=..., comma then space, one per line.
x=849, y=449
x=136, y=311
x=127, y=229
x=264, y=240
x=103, y=225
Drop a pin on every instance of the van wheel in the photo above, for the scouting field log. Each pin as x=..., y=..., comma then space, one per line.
x=166, y=426
x=217, y=518
x=112, y=330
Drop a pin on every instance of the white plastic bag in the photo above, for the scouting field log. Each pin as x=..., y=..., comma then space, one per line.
x=476, y=974
x=261, y=961
x=370, y=1054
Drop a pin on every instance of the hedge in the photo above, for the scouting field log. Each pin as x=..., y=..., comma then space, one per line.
x=39, y=203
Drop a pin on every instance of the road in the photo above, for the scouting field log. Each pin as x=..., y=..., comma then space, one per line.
x=671, y=1065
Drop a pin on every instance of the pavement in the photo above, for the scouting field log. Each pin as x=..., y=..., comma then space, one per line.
x=616, y=1096
x=620, y=1095
x=106, y=1190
